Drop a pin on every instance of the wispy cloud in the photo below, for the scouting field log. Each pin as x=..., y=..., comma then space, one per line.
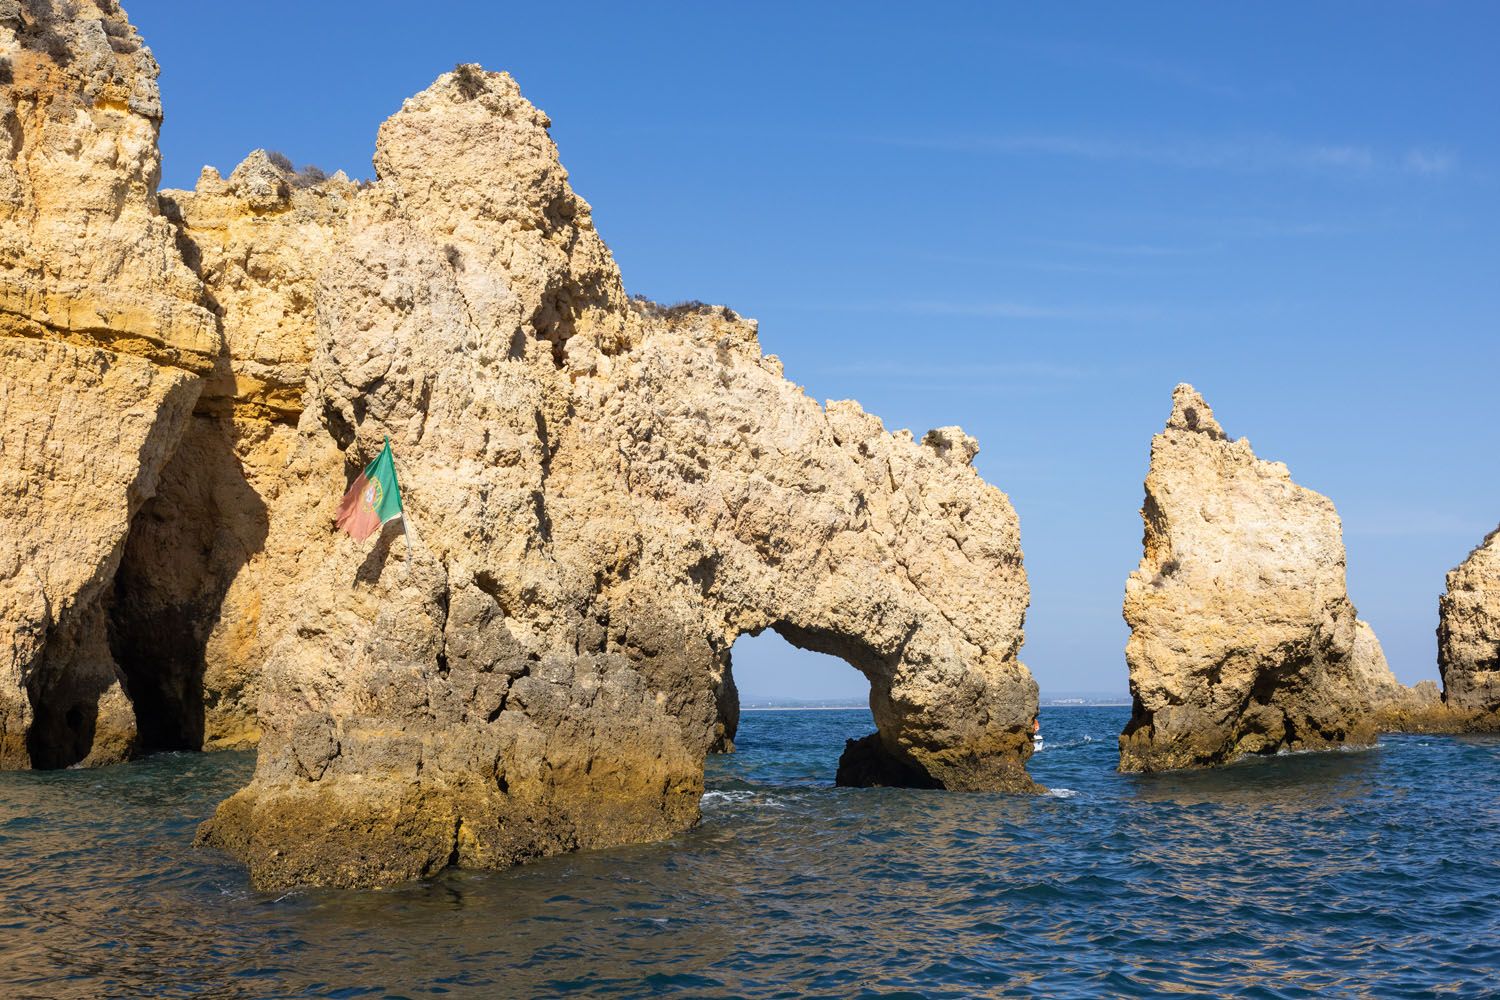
x=1027, y=310
x=991, y=309
x=1429, y=161
x=1005, y=370
x=1248, y=154
x=1094, y=57
x=1412, y=524
x=1134, y=249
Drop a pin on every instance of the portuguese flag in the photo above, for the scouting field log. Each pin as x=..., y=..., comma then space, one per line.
x=373, y=499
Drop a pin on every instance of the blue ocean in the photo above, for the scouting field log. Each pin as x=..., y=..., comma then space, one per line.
x=1373, y=873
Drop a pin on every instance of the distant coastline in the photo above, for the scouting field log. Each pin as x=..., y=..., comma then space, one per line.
x=803, y=708
x=1105, y=701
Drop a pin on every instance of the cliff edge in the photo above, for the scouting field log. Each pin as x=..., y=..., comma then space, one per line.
x=602, y=494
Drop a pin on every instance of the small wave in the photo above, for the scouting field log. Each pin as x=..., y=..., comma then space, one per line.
x=1315, y=751
x=741, y=795
x=1065, y=744
x=1062, y=793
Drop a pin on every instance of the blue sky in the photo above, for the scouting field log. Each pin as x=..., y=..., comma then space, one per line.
x=1028, y=219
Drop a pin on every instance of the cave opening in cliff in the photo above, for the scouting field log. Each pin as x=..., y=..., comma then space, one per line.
x=173, y=617
x=794, y=702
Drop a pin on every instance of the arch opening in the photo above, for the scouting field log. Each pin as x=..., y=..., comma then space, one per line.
x=820, y=678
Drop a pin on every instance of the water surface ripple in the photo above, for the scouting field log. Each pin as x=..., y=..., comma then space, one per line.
x=1373, y=873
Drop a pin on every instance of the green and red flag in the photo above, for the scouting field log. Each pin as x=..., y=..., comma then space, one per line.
x=374, y=498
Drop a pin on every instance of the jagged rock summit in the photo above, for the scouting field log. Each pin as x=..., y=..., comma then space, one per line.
x=1243, y=639
x=1469, y=636
x=602, y=494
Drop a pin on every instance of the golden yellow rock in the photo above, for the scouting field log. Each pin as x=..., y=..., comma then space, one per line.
x=85, y=255
x=602, y=495
x=1243, y=639
x=1469, y=636
x=84, y=434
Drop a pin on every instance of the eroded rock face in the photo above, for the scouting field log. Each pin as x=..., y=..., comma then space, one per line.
x=1395, y=707
x=206, y=558
x=1469, y=635
x=602, y=496
x=85, y=255
x=1243, y=639
x=84, y=435
x=105, y=334
x=219, y=283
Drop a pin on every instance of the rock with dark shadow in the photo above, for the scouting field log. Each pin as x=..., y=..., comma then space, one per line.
x=1469, y=636
x=1243, y=638
x=601, y=494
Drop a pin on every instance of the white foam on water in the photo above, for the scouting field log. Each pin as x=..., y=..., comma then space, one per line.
x=742, y=795
x=1062, y=793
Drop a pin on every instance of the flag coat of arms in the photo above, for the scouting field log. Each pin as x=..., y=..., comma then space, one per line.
x=373, y=499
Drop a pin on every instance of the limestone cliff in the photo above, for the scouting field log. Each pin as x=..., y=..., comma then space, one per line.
x=106, y=332
x=85, y=255
x=214, y=285
x=602, y=493
x=1243, y=639
x=205, y=554
x=84, y=435
x=602, y=496
x=1469, y=636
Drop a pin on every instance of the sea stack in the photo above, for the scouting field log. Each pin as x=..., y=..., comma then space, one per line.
x=601, y=494
x=1243, y=639
x=1469, y=636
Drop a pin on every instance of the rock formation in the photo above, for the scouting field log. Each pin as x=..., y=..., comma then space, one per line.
x=602, y=493
x=105, y=335
x=1394, y=707
x=1469, y=636
x=1243, y=639
x=84, y=435
x=85, y=254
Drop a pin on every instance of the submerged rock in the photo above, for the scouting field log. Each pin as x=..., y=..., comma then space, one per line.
x=1469, y=636
x=1243, y=639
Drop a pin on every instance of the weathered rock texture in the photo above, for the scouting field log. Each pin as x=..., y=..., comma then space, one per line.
x=1469, y=636
x=85, y=255
x=84, y=434
x=206, y=552
x=602, y=493
x=1243, y=639
x=106, y=332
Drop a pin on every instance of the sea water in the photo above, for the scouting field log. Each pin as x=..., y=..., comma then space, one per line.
x=1366, y=873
